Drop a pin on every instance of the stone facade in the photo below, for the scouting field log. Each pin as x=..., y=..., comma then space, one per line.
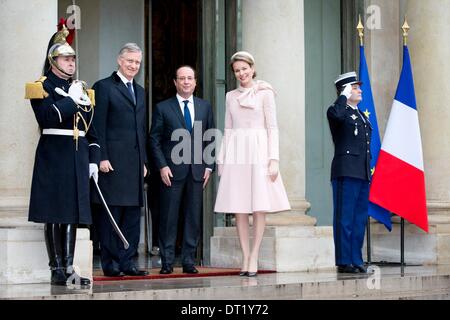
x=290, y=237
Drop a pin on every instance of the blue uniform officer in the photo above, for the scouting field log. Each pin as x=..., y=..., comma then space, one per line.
x=350, y=173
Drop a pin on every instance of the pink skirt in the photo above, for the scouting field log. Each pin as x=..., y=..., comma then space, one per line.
x=247, y=188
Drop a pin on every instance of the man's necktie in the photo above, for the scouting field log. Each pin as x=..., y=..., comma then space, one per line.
x=130, y=90
x=187, y=116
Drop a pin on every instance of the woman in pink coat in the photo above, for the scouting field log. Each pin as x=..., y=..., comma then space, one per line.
x=250, y=182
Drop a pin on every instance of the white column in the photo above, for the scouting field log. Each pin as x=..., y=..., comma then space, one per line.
x=26, y=29
x=430, y=50
x=273, y=31
x=382, y=47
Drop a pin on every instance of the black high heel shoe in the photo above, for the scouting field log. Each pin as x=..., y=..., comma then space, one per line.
x=252, y=274
x=243, y=273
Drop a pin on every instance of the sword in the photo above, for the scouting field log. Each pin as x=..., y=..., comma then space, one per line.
x=126, y=245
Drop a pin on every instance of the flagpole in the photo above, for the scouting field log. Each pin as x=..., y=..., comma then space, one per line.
x=360, y=28
x=405, y=29
x=402, y=242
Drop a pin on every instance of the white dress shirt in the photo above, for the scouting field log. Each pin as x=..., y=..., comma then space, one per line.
x=191, y=111
x=125, y=80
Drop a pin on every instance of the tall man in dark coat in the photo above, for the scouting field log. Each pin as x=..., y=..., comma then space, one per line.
x=350, y=173
x=121, y=120
x=185, y=172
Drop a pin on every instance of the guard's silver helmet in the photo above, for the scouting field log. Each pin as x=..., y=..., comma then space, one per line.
x=60, y=48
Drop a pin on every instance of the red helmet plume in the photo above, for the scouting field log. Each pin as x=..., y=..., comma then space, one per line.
x=71, y=35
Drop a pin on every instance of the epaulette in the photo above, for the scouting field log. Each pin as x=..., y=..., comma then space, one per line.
x=91, y=94
x=35, y=90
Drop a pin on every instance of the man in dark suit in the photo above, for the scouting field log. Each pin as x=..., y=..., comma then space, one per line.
x=350, y=173
x=120, y=115
x=181, y=121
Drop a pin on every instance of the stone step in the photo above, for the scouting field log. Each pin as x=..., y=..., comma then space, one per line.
x=422, y=295
x=388, y=285
x=23, y=255
x=284, y=249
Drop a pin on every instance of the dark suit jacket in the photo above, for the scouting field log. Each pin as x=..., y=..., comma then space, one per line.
x=167, y=117
x=122, y=136
x=351, y=136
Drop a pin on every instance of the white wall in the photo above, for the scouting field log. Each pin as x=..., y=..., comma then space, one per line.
x=26, y=27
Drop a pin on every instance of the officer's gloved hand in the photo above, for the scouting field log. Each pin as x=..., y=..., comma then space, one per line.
x=347, y=92
x=93, y=171
x=78, y=94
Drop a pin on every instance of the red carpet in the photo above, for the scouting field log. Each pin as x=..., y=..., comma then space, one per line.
x=154, y=274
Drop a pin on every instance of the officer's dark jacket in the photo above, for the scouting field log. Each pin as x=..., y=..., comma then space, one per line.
x=60, y=184
x=122, y=131
x=351, y=137
x=167, y=117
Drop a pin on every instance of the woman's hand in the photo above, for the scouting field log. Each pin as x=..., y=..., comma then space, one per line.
x=273, y=169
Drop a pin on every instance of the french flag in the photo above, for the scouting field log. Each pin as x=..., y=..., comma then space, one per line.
x=398, y=183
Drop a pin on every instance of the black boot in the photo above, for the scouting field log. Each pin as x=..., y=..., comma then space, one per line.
x=52, y=234
x=69, y=237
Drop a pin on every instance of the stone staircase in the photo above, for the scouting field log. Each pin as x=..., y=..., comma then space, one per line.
x=388, y=284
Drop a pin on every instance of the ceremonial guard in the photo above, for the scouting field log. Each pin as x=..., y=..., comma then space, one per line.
x=67, y=156
x=350, y=173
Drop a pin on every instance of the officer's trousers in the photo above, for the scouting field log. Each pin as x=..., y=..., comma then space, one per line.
x=350, y=201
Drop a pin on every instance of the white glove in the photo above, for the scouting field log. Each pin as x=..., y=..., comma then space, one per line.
x=347, y=92
x=93, y=171
x=77, y=93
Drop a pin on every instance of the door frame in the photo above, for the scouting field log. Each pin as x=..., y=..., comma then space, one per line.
x=220, y=18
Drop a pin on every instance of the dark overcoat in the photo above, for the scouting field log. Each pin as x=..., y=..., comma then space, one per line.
x=122, y=130
x=60, y=184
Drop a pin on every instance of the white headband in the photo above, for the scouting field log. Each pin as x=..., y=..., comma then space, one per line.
x=244, y=54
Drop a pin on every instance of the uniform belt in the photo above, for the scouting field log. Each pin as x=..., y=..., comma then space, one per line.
x=62, y=132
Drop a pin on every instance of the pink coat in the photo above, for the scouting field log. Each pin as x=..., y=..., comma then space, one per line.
x=250, y=142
